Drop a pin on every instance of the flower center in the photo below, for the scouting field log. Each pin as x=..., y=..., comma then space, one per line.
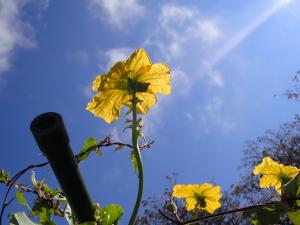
x=135, y=86
x=200, y=200
x=283, y=178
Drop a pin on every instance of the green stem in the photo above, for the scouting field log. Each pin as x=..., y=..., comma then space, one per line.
x=138, y=157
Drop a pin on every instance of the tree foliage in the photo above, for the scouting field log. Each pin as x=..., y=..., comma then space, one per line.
x=282, y=145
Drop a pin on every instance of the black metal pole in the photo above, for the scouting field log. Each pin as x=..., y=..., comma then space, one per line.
x=51, y=136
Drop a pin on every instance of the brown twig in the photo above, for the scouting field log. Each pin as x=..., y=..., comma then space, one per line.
x=203, y=218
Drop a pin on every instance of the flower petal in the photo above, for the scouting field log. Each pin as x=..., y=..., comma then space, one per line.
x=268, y=166
x=290, y=171
x=107, y=105
x=158, y=75
x=97, y=83
x=137, y=60
x=183, y=191
x=190, y=204
x=147, y=101
x=268, y=181
x=213, y=194
x=114, y=78
x=211, y=206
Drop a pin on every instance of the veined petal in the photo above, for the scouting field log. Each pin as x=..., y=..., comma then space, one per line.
x=190, y=204
x=107, y=105
x=117, y=71
x=290, y=171
x=213, y=194
x=147, y=102
x=201, y=188
x=114, y=79
x=158, y=75
x=268, y=166
x=137, y=60
x=278, y=188
x=97, y=83
x=268, y=181
x=211, y=206
x=183, y=191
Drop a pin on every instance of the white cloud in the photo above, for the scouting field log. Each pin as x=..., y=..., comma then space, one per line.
x=181, y=83
x=243, y=33
x=120, y=13
x=212, y=115
x=179, y=25
x=211, y=60
x=183, y=32
x=189, y=116
x=154, y=119
x=15, y=31
x=117, y=54
x=213, y=75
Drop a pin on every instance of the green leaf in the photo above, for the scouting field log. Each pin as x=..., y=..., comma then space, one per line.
x=45, y=216
x=20, y=218
x=111, y=214
x=133, y=161
x=88, y=223
x=291, y=189
x=4, y=177
x=21, y=199
x=89, y=142
x=294, y=217
x=263, y=215
x=39, y=204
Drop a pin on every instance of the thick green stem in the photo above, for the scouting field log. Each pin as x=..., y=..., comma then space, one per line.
x=138, y=157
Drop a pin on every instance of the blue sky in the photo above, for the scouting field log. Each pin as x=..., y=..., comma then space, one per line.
x=227, y=61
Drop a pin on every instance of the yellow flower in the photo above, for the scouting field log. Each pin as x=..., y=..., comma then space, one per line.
x=274, y=174
x=136, y=74
x=199, y=196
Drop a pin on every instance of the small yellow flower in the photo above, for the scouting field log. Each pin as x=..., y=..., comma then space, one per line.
x=274, y=174
x=115, y=88
x=199, y=196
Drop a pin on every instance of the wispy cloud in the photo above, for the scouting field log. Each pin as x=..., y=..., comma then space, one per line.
x=120, y=13
x=210, y=115
x=117, y=54
x=181, y=83
x=154, y=119
x=247, y=30
x=15, y=31
x=178, y=25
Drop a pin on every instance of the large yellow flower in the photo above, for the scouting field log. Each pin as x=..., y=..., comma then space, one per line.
x=199, y=196
x=136, y=74
x=274, y=174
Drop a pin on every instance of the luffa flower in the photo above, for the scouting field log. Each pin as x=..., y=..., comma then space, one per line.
x=274, y=174
x=199, y=196
x=136, y=74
